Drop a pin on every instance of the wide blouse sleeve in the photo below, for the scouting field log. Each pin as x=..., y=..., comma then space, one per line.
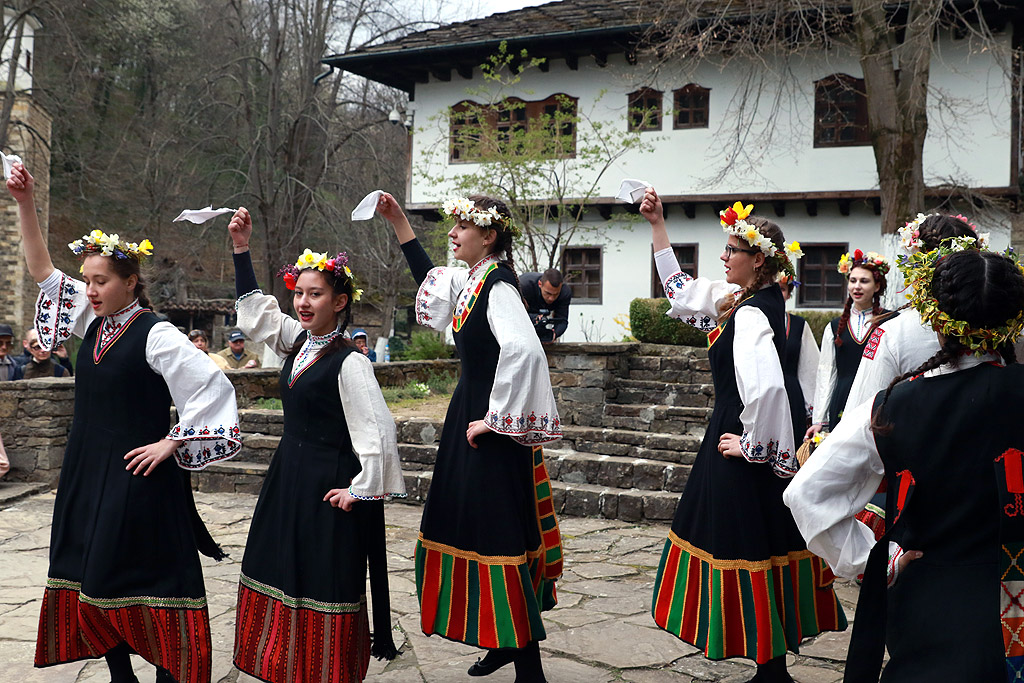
x=260, y=318
x=62, y=310
x=438, y=294
x=521, y=403
x=695, y=301
x=826, y=379
x=807, y=368
x=202, y=394
x=767, y=428
x=372, y=430
x=835, y=483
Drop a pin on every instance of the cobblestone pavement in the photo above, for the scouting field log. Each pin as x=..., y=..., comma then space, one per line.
x=600, y=632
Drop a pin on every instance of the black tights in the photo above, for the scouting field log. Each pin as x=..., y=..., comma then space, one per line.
x=119, y=662
x=528, y=666
x=772, y=671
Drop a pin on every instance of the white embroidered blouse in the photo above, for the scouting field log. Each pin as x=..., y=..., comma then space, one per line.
x=767, y=428
x=370, y=424
x=839, y=479
x=860, y=323
x=202, y=395
x=807, y=368
x=521, y=403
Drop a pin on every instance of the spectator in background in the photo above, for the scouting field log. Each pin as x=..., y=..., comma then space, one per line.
x=236, y=354
x=9, y=369
x=547, y=301
x=362, y=341
x=41, y=364
x=201, y=342
x=5, y=464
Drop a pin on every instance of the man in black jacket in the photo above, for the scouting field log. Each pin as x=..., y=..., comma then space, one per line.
x=547, y=301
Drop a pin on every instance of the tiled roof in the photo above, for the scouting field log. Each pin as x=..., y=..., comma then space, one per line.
x=553, y=29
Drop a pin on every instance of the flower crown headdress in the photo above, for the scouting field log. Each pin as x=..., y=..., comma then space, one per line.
x=338, y=265
x=99, y=242
x=910, y=234
x=464, y=209
x=858, y=258
x=734, y=222
x=919, y=269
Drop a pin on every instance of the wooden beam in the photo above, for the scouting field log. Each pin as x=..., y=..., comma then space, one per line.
x=876, y=205
x=441, y=73
x=606, y=211
x=545, y=65
x=573, y=62
x=812, y=207
x=631, y=58
x=601, y=58
x=780, y=208
x=465, y=71
x=689, y=209
x=844, y=207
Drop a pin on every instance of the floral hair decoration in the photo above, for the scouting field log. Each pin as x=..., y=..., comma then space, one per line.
x=910, y=234
x=338, y=265
x=464, y=209
x=858, y=258
x=734, y=222
x=99, y=242
x=919, y=268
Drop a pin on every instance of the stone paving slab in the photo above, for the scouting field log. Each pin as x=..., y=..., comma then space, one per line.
x=601, y=631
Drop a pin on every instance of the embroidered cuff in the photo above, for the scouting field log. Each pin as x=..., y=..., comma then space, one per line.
x=784, y=463
x=386, y=496
x=892, y=570
x=245, y=296
x=204, y=446
x=526, y=429
x=54, y=319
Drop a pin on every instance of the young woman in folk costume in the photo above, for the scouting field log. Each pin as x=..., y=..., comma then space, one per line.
x=736, y=579
x=949, y=444
x=302, y=613
x=902, y=343
x=489, y=549
x=124, y=570
x=799, y=361
x=845, y=337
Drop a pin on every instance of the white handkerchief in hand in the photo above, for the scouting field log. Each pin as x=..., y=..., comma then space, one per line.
x=632, y=191
x=367, y=207
x=9, y=161
x=198, y=216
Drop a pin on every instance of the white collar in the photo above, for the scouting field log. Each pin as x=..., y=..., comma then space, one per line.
x=119, y=318
x=966, y=362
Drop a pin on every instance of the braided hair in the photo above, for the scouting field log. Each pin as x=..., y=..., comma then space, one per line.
x=338, y=286
x=504, y=242
x=768, y=273
x=876, y=300
x=982, y=288
x=938, y=227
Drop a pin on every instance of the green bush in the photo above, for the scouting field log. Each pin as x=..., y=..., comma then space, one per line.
x=817, y=320
x=396, y=347
x=426, y=346
x=649, y=324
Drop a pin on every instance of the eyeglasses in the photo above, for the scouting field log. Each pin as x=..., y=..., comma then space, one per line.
x=34, y=346
x=730, y=251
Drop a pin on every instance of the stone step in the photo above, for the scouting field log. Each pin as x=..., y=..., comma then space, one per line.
x=689, y=420
x=570, y=467
x=647, y=392
x=675, y=369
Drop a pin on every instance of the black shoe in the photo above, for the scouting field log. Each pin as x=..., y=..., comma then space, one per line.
x=164, y=676
x=492, y=661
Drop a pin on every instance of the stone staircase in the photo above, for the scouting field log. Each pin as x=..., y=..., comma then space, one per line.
x=633, y=417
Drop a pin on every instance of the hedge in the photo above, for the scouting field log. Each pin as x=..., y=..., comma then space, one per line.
x=649, y=324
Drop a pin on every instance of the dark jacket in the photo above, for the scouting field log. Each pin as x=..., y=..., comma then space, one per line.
x=556, y=314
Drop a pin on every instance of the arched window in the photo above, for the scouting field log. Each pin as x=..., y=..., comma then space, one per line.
x=840, y=112
x=690, y=107
x=644, y=110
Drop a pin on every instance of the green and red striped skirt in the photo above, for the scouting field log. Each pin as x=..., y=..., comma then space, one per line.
x=758, y=610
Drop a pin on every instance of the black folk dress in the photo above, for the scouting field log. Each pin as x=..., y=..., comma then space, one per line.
x=123, y=560
x=489, y=550
x=791, y=371
x=847, y=361
x=302, y=592
x=736, y=579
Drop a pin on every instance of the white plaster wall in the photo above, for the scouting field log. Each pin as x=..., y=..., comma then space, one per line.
x=969, y=135
x=23, y=78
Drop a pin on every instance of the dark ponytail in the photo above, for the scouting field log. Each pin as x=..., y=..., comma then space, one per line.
x=983, y=289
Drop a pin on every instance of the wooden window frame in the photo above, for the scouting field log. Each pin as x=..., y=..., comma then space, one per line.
x=801, y=302
x=642, y=100
x=499, y=121
x=689, y=267
x=699, y=104
x=852, y=114
x=577, y=286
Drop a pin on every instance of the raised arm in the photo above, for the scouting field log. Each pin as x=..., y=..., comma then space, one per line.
x=240, y=230
x=417, y=258
x=21, y=185
x=652, y=210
